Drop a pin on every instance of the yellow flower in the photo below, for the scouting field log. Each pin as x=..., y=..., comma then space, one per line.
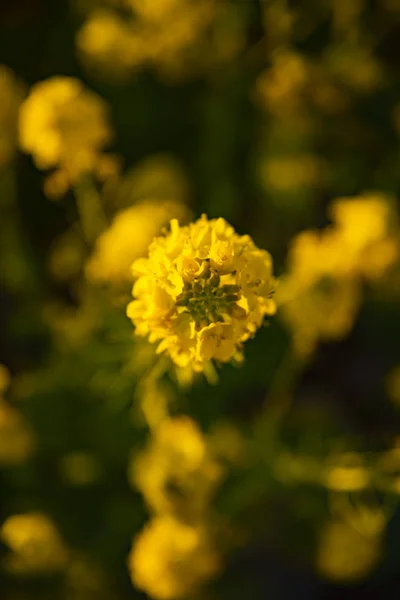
x=291, y=173
x=170, y=560
x=64, y=125
x=156, y=10
x=128, y=238
x=35, y=544
x=319, y=298
x=345, y=554
x=369, y=230
x=177, y=37
x=355, y=66
x=109, y=44
x=346, y=473
x=16, y=438
x=202, y=292
x=176, y=472
x=11, y=95
x=172, y=27
x=282, y=86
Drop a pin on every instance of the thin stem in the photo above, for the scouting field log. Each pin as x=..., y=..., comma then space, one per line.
x=91, y=215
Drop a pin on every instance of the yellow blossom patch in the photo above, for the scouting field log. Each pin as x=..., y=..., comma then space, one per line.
x=128, y=238
x=368, y=227
x=65, y=127
x=170, y=559
x=319, y=296
x=202, y=292
x=35, y=544
x=176, y=472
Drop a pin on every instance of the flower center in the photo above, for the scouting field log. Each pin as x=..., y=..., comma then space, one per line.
x=206, y=299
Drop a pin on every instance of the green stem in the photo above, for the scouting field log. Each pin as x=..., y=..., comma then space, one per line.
x=91, y=215
x=278, y=401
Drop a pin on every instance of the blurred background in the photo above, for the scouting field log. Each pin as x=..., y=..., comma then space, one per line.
x=121, y=477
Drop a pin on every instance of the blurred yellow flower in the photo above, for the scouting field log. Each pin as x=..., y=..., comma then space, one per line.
x=11, y=96
x=296, y=83
x=202, y=292
x=354, y=65
x=282, y=86
x=346, y=15
x=65, y=126
x=388, y=468
x=16, y=437
x=346, y=473
x=174, y=36
x=110, y=45
x=35, y=544
x=291, y=173
x=368, y=227
x=345, y=554
x=157, y=10
x=319, y=298
x=170, y=560
x=176, y=472
x=128, y=238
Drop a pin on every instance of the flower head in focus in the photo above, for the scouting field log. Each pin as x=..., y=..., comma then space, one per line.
x=202, y=292
x=176, y=472
x=128, y=238
x=65, y=127
x=169, y=559
x=35, y=544
x=11, y=96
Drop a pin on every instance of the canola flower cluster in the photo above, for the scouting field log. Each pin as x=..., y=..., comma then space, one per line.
x=64, y=126
x=296, y=86
x=128, y=239
x=321, y=292
x=35, y=544
x=202, y=292
x=171, y=35
x=16, y=438
x=346, y=554
x=178, y=474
